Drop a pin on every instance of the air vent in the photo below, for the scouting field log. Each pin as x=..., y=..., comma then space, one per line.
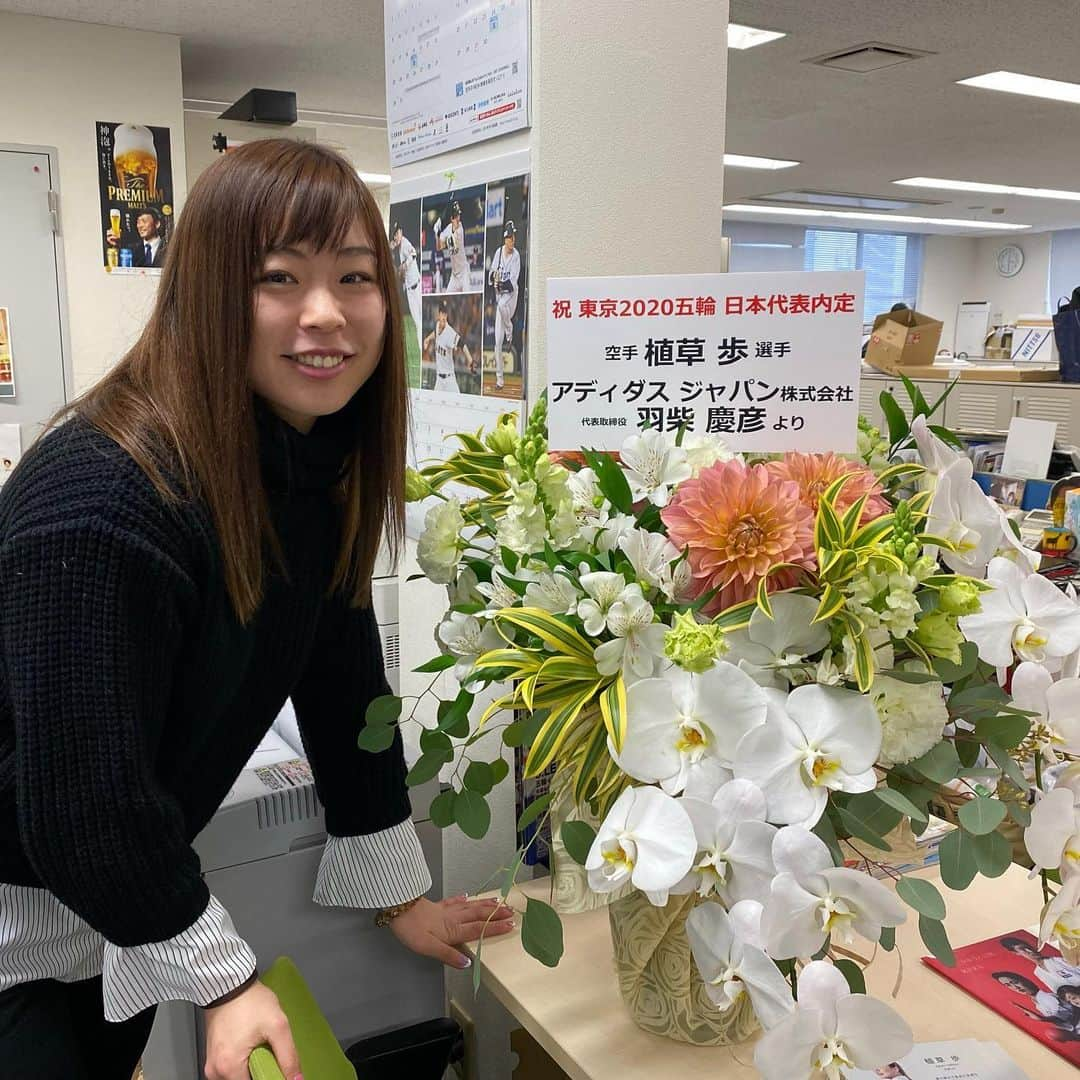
x=391, y=649
x=871, y=56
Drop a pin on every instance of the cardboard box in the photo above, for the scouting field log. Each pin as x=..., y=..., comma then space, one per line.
x=903, y=337
x=1033, y=341
x=1008, y=373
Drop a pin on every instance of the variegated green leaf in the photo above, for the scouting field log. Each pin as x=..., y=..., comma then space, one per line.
x=900, y=471
x=567, y=667
x=852, y=516
x=935, y=541
x=552, y=736
x=832, y=600
x=555, y=634
x=762, y=600
x=873, y=532
x=613, y=710
x=737, y=616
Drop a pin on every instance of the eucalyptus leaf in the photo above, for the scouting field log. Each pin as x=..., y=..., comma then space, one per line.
x=478, y=777
x=1006, y=731
x=1019, y=812
x=940, y=763
x=922, y=896
x=957, y=860
x=439, y=663
x=500, y=769
x=900, y=803
x=426, y=768
x=936, y=940
x=993, y=854
x=853, y=973
x=533, y=811
x=888, y=938
x=437, y=743
x=442, y=808
x=472, y=814
x=1007, y=765
x=376, y=738
x=577, y=838
x=542, y=933
x=383, y=710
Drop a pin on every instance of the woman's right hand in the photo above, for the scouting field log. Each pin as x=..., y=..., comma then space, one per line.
x=235, y=1028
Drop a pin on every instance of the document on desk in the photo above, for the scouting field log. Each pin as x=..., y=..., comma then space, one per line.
x=274, y=765
x=961, y=1059
x=1028, y=448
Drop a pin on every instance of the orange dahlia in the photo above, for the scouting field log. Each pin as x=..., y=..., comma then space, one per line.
x=737, y=522
x=815, y=472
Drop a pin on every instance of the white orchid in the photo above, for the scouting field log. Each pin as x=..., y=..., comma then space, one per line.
x=681, y=722
x=1053, y=837
x=768, y=649
x=962, y=514
x=1061, y=919
x=439, y=545
x=653, y=465
x=638, y=642
x=731, y=959
x=604, y=590
x=1056, y=705
x=554, y=591
x=1026, y=616
x=467, y=638
x=815, y=739
x=813, y=901
x=646, y=839
x=936, y=455
x=831, y=1031
x=734, y=856
x=704, y=450
x=651, y=555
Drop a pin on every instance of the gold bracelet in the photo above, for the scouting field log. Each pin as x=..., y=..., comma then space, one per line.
x=387, y=915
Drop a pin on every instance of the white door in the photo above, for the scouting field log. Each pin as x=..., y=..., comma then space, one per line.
x=30, y=290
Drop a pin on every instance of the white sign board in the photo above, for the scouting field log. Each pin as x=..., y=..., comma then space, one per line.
x=768, y=362
x=457, y=73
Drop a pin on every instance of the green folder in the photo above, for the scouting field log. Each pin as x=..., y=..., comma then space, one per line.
x=321, y=1058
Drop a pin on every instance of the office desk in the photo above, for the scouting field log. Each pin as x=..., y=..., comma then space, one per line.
x=575, y=1012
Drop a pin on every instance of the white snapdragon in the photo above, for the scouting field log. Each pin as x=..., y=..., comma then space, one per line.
x=731, y=959
x=814, y=740
x=439, y=545
x=813, y=901
x=523, y=527
x=831, y=1031
x=653, y=465
x=646, y=839
x=638, y=642
x=681, y=723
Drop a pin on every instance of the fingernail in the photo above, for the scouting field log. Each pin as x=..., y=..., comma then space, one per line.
x=299, y=1076
x=465, y=962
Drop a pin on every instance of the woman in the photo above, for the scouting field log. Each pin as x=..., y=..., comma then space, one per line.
x=190, y=547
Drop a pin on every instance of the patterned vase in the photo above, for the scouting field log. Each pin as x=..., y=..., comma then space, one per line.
x=569, y=879
x=659, y=980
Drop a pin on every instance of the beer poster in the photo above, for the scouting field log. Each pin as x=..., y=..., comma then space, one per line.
x=7, y=374
x=136, y=188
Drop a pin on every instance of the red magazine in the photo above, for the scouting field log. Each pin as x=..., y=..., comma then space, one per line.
x=1032, y=988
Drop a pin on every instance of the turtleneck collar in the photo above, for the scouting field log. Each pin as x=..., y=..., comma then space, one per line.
x=295, y=463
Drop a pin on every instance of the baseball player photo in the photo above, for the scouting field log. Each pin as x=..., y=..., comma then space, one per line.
x=455, y=258
x=507, y=291
x=405, y=219
x=456, y=366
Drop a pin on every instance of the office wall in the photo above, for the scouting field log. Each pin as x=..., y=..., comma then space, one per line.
x=948, y=274
x=57, y=80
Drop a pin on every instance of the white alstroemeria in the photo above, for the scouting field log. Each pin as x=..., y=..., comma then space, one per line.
x=439, y=545
x=647, y=839
x=680, y=722
x=813, y=901
x=768, y=648
x=610, y=534
x=961, y=513
x=1061, y=919
x=604, y=590
x=653, y=465
x=815, y=739
x=831, y=1031
x=497, y=593
x=589, y=502
x=466, y=637
x=734, y=856
x=731, y=959
x=705, y=450
x=935, y=454
x=553, y=591
x=465, y=589
x=651, y=555
x=1053, y=837
x=1056, y=705
x=638, y=642
x=1024, y=615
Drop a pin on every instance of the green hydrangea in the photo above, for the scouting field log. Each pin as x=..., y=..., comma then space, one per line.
x=960, y=598
x=416, y=486
x=939, y=635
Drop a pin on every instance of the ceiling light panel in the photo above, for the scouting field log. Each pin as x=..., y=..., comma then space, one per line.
x=892, y=219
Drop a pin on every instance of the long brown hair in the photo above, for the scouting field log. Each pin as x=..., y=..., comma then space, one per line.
x=180, y=401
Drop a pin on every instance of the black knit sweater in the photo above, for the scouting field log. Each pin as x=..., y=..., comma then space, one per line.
x=131, y=696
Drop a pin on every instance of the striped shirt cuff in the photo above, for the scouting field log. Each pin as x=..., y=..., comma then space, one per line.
x=373, y=871
x=201, y=964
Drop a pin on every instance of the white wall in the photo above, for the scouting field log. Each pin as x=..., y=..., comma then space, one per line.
x=1024, y=294
x=57, y=80
x=948, y=273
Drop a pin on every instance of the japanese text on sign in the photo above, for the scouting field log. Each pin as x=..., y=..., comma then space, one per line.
x=770, y=361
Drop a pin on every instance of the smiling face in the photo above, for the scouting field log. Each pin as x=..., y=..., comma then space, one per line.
x=318, y=327
x=147, y=227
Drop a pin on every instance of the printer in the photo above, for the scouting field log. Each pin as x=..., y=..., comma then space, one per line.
x=260, y=854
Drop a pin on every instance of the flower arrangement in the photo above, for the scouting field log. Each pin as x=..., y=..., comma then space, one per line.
x=750, y=672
